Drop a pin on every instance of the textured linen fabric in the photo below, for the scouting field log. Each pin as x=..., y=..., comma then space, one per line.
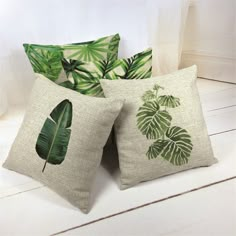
x=91, y=124
x=133, y=145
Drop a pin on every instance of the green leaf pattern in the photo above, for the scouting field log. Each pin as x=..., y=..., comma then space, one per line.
x=137, y=67
x=152, y=121
x=173, y=144
x=148, y=96
x=54, y=137
x=155, y=149
x=178, y=147
x=168, y=101
x=46, y=59
x=101, y=49
x=86, y=75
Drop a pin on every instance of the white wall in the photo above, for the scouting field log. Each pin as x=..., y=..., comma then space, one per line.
x=59, y=22
x=210, y=39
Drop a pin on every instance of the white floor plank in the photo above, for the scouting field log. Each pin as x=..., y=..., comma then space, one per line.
x=208, y=86
x=221, y=120
x=220, y=99
x=107, y=198
x=206, y=212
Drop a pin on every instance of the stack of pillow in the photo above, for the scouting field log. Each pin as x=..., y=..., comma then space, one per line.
x=81, y=90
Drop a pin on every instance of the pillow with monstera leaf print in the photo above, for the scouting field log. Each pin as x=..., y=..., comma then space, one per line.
x=46, y=59
x=160, y=129
x=84, y=77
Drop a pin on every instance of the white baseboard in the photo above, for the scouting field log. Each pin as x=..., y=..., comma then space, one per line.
x=211, y=66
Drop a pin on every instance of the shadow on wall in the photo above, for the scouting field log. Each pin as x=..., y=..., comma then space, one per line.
x=17, y=77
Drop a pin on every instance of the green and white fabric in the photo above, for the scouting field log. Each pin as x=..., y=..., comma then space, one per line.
x=84, y=77
x=46, y=59
x=61, y=140
x=161, y=129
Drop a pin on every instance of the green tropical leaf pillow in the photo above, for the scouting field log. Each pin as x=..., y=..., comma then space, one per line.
x=161, y=129
x=61, y=140
x=46, y=59
x=84, y=77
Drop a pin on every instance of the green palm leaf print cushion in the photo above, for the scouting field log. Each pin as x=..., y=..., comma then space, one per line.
x=46, y=59
x=84, y=77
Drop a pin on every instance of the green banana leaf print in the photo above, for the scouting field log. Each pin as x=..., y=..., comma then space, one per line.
x=53, y=140
x=153, y=120
x=45, y=60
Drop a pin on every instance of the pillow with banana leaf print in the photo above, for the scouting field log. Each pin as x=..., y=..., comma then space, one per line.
x=84, y=77
x=46, y=59
x=160, y=129
x=61, y=140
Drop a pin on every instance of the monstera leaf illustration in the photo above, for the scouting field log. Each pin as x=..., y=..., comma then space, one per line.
x=168, y=101
x=155, y=149
x=151, y=121
x=54, y=137
x=45, y=60
x=156, y=87
x=148, y=96
x=176, y=149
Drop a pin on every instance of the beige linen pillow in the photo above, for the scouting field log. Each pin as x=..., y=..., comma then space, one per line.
x=161, y=129
x=61, y=140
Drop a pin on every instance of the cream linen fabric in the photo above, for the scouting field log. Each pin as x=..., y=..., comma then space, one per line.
x=132, y=145
x=91, y=125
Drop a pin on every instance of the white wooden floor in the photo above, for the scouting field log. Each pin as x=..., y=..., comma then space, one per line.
x=199, y=202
